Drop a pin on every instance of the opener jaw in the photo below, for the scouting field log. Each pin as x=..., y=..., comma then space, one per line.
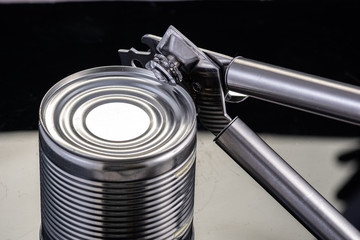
x=175, y=59
x=135, y=58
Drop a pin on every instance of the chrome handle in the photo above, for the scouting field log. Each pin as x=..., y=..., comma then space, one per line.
x=295, y=89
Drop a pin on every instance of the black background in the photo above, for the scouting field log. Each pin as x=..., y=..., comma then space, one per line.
x=43, y=43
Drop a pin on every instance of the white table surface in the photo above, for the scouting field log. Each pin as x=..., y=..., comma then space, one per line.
x=228, y=203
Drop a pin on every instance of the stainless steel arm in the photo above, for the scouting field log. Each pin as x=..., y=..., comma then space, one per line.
x=295, y=89
x=284, y=183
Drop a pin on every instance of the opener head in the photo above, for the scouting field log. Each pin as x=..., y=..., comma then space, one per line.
x=176, y=60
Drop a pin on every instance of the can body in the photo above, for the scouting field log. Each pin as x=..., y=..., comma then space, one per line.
x=117, y=157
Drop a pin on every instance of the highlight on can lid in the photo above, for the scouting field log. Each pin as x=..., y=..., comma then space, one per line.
x=117, y=121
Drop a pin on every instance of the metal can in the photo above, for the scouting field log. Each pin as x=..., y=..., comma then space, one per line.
x=117, y=157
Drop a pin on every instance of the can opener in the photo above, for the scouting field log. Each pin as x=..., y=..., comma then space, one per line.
x=212, y=79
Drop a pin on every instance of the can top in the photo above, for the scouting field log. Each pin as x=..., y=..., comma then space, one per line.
x=117, y=116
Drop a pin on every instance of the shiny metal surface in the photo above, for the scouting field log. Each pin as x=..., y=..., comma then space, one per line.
x=109, y=122
x=96, y=185
x=201, y=73
x=283, y=183
x=295, y=89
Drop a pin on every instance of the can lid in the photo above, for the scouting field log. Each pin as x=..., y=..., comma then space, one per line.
x=117, y=116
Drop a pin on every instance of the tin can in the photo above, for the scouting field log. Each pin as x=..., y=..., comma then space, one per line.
x=117, y=157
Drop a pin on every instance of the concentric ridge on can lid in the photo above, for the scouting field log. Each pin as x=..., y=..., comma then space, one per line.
x=156, y=122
